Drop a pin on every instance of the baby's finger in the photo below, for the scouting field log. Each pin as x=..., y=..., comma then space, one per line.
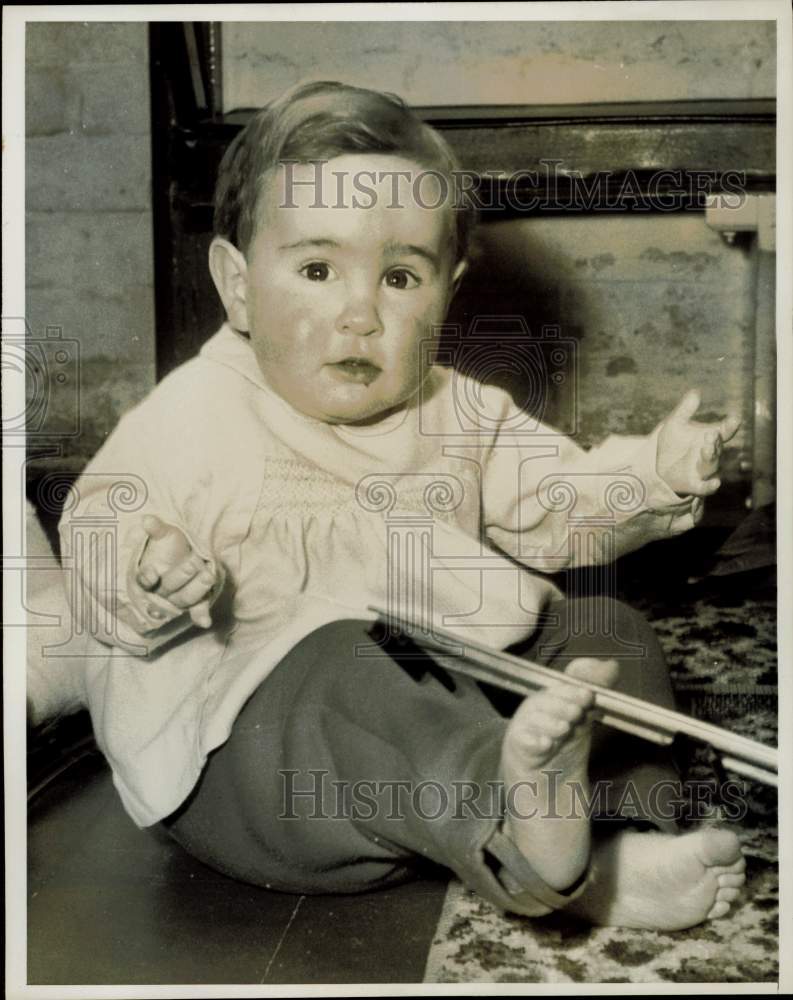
x=200, y=615
x=147, y=577
x=180, y=575
x=163, y=611
x=708, y=460
x=712, y=440
x=687, y=406
x=728, y=428
x=194, y=591
x=709, y=486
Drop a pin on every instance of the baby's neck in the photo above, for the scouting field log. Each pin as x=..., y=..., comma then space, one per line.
x=376, y=418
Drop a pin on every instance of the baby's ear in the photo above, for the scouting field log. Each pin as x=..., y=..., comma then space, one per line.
x=229, y=271
x=457, y=276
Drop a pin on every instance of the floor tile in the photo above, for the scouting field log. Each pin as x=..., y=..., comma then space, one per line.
x=377, y=937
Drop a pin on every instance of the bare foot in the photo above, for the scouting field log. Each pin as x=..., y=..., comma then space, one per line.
x=659, y=881
x=544, y=766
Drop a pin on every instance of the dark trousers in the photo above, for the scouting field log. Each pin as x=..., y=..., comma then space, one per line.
x=358, y=761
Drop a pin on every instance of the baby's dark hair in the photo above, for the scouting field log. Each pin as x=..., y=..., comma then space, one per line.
x=319, y=121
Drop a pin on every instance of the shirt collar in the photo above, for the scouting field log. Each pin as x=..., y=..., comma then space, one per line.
x=227, y=347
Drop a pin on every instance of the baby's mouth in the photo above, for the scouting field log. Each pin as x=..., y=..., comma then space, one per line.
x=356, y=370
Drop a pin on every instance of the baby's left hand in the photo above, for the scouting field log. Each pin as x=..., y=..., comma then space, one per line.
x=689, y=452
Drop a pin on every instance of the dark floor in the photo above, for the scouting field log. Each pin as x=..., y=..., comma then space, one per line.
x=109, y=903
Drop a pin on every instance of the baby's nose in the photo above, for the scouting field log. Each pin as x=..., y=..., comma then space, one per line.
x=360, y=317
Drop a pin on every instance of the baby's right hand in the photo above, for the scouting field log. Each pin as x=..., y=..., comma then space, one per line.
x=173, y=570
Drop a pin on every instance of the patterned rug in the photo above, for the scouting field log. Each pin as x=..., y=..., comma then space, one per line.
x=719, y=636
x=476, y=944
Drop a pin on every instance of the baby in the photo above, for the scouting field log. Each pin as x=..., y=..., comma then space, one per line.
x=311, y=462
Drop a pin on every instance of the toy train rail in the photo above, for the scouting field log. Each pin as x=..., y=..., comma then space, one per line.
x=621, y=711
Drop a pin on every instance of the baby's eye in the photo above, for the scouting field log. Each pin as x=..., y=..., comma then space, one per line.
x=398, y=277
x=317, y=270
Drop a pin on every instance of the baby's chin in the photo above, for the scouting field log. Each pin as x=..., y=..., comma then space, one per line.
x=359, y=406
x=358, y=416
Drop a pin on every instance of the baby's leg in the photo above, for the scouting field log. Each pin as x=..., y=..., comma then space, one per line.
x=631, y=776
x=354, y=764
x=652, y=880
x=545, y=768
x=637, y=879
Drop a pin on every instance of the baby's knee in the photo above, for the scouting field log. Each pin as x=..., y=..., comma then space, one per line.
x=627, y=636
x=625, y=620
x=608, y=617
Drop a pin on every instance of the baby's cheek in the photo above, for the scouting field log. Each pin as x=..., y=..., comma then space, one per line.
x=293, y=336
x=426, y=324
x=308, y=338
x=416, y=352
x=433, y=312
x=418, y=315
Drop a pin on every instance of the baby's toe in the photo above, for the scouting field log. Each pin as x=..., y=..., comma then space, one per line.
x=721, y=849
x=736, y=870
x=718, y=910
x=730, y=880
x=534, y=738
x=570, y=705
x=601, y=672
x=545, y=724
x=727, y=895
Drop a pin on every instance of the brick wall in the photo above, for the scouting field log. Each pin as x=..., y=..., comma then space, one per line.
x=652, y=306
x=89, y=264
x=504, y=62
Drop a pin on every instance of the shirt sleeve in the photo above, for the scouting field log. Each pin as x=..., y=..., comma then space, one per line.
x=552, y=505
x=103, y=540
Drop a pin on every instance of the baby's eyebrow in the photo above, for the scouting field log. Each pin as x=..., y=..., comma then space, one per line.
x=310, y=242
x=412, y=249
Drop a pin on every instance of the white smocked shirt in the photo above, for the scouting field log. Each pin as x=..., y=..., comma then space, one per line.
x=452, y=509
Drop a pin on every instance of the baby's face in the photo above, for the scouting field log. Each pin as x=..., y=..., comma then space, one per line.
x=339, y=296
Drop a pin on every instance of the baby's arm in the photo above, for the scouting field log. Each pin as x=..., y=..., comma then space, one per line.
x=689, y=452
x=620, y=495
